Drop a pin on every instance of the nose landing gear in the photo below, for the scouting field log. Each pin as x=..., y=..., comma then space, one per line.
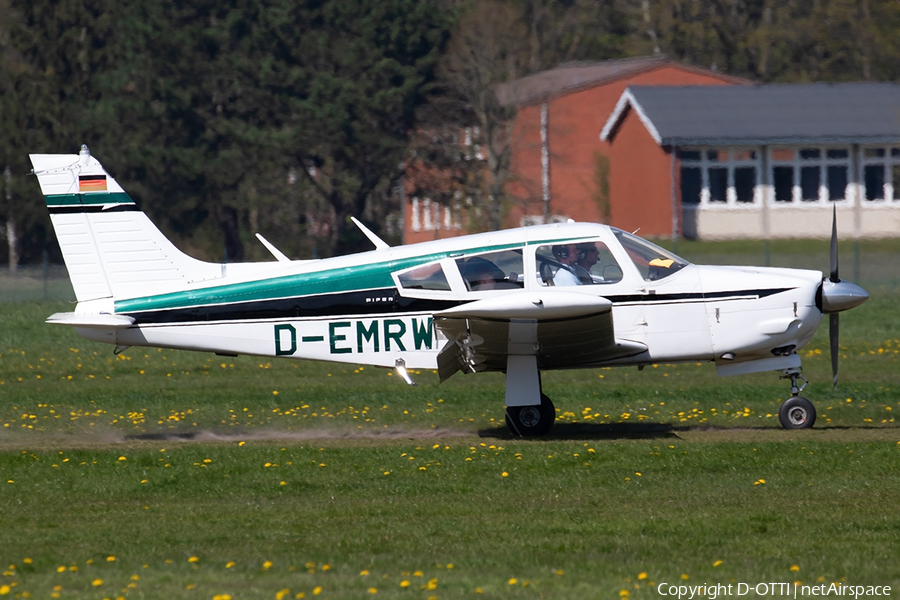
x=796, y=412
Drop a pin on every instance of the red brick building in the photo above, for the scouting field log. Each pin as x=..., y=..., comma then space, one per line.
x=560, y=167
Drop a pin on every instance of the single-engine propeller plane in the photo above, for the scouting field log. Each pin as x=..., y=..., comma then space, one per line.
x=519, y=301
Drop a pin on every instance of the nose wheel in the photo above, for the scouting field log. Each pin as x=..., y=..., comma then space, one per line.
x=796, y=412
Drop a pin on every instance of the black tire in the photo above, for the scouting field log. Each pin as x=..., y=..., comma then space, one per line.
x=797, y=413
x=531, y=420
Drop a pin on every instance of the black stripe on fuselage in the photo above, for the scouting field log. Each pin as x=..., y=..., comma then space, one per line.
x=369, y=302
x=90, y=208
x=685, y=297
x=383, y=301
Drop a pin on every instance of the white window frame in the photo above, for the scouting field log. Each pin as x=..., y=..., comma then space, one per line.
x=730, y=163
x=797, y=163
x=890, y=159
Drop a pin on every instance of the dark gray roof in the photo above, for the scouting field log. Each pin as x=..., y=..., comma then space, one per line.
x=574, y=77
x=765, y=114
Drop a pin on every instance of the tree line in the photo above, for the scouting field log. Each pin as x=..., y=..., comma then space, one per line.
x=222, y=118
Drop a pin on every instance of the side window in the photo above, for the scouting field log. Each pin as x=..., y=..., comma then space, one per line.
x=492, y=271
x=583, y=263
x=427, y=277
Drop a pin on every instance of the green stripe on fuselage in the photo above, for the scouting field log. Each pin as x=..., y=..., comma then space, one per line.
x=331, y=281
x=88, y=199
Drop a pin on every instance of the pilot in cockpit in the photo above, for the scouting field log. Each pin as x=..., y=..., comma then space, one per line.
x=588, y=255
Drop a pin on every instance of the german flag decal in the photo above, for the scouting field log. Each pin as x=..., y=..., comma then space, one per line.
x=92, y=183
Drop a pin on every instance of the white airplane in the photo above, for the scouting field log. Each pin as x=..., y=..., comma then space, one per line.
x=519, y=301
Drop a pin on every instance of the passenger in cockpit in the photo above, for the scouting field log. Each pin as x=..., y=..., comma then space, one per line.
x=567, y=255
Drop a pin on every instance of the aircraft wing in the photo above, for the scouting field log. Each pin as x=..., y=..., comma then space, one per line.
x=562, y=329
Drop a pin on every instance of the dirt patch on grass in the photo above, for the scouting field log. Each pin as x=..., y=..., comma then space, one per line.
x=105, y=436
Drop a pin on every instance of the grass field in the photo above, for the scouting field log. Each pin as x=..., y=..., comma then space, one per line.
x=163, y=474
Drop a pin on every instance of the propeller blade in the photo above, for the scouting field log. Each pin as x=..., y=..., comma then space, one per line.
x=834, y=247
x=834, y=334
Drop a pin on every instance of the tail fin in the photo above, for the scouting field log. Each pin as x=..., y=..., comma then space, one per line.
x=111, y=249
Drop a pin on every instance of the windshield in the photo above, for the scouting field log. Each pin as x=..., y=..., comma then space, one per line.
x=652, y=261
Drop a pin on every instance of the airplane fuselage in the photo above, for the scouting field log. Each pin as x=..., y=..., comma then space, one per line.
x=355, y=309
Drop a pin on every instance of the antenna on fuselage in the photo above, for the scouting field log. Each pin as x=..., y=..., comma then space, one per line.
x=380, y=244
x=278, y=254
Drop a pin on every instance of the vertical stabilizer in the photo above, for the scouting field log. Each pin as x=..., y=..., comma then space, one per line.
x=111, y=249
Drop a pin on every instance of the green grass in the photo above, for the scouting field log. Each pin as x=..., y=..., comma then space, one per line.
x=157, y=457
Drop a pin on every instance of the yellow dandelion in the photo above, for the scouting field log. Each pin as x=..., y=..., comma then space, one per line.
x=717, y=563
x=404, y=584
x=795, y=567
x=364, y=572
x=512, y=581
x=97, y=582
x=4, y=590
x=229, y=564
x=110, y=558
x=267, y=565
x=505, y=474
x=642, y=575
x=317, y=590
x=373, y=590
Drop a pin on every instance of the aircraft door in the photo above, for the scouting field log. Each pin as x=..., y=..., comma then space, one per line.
x=591, y=267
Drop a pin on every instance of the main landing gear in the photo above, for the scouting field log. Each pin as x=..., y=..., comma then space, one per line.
x=796, y=412
x=531, y=420
x=529, y=412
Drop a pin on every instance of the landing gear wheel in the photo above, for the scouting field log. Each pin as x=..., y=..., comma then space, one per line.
x=531, y=420
x=797, y=413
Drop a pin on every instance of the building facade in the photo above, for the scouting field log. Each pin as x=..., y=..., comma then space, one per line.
x=763, y=161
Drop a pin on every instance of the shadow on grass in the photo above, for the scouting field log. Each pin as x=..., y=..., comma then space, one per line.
x=590, y=431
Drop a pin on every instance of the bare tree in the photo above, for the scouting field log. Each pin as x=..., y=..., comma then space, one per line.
x=466, y=129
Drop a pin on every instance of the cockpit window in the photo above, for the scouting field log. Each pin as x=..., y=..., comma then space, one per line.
x=493, y=271
x=651, y=261
x=427, y=277
x=581, y=263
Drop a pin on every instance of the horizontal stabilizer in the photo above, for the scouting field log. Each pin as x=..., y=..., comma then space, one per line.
x=91, y=321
